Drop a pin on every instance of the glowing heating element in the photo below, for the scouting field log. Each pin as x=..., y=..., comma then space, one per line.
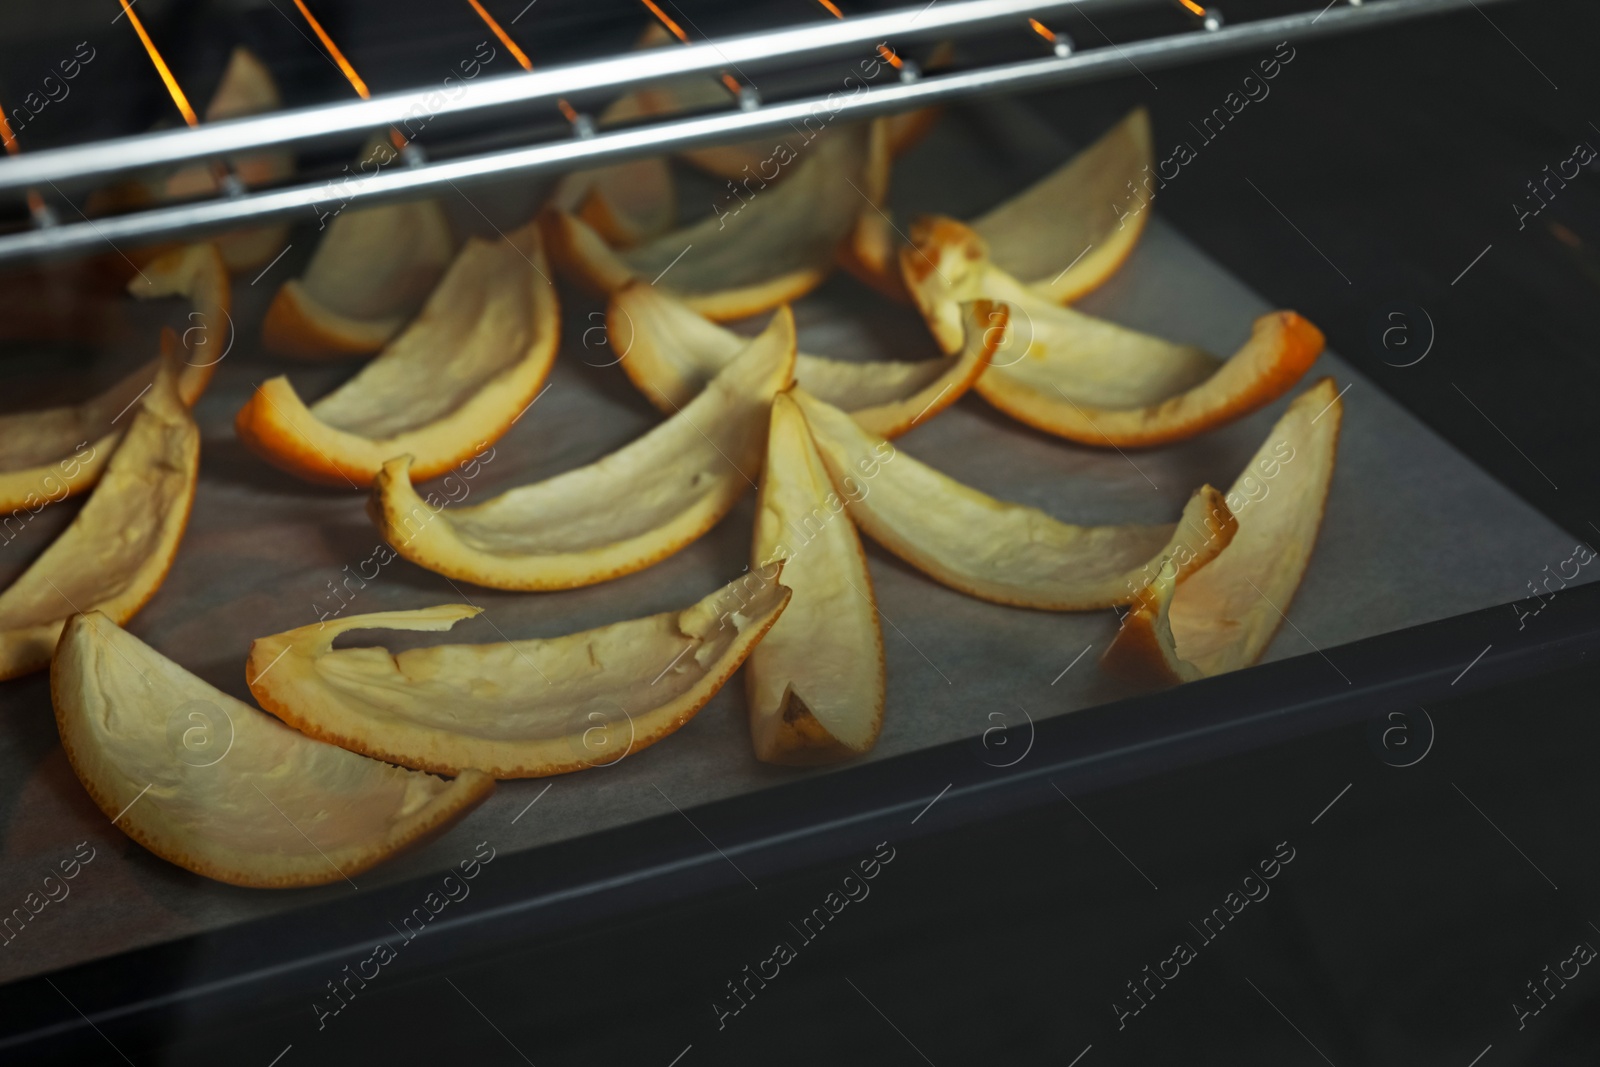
x=520, y=56
x=883, y=50
x=161, y=68
x=6, y=134
x=333, y=50
x=1042, y=30
x=1192, y=6
x=728, y=80
x=349, y=72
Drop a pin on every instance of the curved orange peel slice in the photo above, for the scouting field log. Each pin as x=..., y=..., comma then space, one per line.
x=372, y=271
x=617, y=515
x=993, y=550
x=815, y=684
x=1090, y=380
x=765, y=247
x=670, y=352
x=624, y=203
x=515, y=709
x=456, y=379
x=117, y=550
x=274, y=810
x=1065, y=234
x=52, y=454
x=869, y=252
x=246, y=88
x=1194, y=623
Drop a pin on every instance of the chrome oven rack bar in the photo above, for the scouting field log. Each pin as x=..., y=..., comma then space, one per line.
x=517, y=95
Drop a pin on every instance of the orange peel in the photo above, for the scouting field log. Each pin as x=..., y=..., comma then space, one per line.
x=1090, y=380
x=670, y=352
x=116, y=552
x=625, y=203
x=372, y=271
x=991, y=549
x=752, y=254
x=516, y=709
x=456, y=379
x=246, y=88
x=1063, y=236
x=54, y=453
x=615, y=516
x=869, y=251
x=275, y=810
x=1188, y=623
x=815, y=684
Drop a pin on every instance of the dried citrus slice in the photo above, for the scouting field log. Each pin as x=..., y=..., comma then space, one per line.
x=516, y=709
x=116, y=552
x=670, y=352
x=1070, y=231
x=457, y=377
x=1221, y=617
x=987, y=548
x=275, y=809
x=1098, y=383
x=246, y=88
x=618, y=515
x=54, y=453
x=869, y=251
x=371, y=272
x=815, y=685
x=624, y=203
x=760, y=248
x=1090, y=380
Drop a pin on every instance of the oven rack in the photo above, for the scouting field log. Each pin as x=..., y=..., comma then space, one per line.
x=507, y=99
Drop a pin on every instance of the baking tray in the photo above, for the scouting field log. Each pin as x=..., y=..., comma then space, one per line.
x=1414, y=533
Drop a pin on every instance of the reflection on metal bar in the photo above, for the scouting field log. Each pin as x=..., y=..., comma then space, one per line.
x=355, y=119
x=401, y=183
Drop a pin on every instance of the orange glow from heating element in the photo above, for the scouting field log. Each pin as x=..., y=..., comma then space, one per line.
x=6, y=134
x=729, y=81
x=333, y=50
x=519, y=54
x=161, y=67
x=1042, y=30
x=1192, y=6
x=883, y=50
x=505, y=38
x=35, y=201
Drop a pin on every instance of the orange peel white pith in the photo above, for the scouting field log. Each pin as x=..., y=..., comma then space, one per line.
x=1222, y=617
x=1070, y=231
x=373, y=268
x=456, y=379
x=617, y=515
x=762, y=247
x=670, y=352
x=271, y=809
x=815, y=684
x=993, y=550
x=1090, y=380
x=516, y=709
x=117, y=550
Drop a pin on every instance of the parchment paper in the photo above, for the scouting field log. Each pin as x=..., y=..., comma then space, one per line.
x=1413, y=533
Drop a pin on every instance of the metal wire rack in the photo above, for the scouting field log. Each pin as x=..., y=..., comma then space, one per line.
x=580, y=89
